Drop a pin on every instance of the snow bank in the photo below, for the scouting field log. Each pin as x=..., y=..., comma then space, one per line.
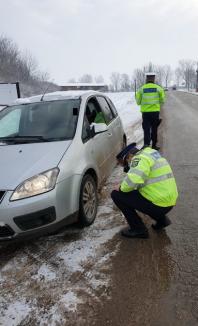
x=125, y=104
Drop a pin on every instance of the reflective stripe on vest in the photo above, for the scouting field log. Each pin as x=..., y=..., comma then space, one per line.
x=129, y=182
x=154, y=156
x=158, y=165
x=150, y=96
x=150, y=102
x=157, y=179
x=139, y=173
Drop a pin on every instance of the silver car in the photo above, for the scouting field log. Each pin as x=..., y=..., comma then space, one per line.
x=56, y=150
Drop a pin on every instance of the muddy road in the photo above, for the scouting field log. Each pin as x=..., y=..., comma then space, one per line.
x=155, y=281
x=96, y=277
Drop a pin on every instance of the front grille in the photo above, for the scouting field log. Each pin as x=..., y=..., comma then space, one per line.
x=2, y=193
x=6, y=231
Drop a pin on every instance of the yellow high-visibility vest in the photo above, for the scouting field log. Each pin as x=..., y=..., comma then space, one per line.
x=150, y=96
x=152, y=176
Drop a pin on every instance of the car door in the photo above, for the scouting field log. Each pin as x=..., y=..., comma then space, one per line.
x=95, y=148
x=118, y=132
x=113, y=141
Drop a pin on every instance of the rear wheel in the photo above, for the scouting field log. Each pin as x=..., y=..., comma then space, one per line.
x=124, y=143
x=88, y=201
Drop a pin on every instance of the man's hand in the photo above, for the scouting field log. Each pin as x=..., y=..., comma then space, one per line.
x=117, y=187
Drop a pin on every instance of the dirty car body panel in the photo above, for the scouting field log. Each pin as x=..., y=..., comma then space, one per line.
x=47, y=148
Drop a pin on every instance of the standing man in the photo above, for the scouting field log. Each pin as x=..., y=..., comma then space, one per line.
x=150, y=96
x=148, y=187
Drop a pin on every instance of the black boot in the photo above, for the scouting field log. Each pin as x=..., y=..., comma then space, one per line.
x=161, y=224
x=157, y=148
x=130, y=233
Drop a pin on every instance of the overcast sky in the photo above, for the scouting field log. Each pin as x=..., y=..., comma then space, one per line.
x=72, y=37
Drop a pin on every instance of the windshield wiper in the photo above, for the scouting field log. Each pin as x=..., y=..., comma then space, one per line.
x=21, y=139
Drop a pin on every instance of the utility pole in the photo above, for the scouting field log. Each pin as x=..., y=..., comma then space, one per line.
x=135, y=84
x=197, y=78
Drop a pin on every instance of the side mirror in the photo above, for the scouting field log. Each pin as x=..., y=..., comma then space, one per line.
x=98, y=128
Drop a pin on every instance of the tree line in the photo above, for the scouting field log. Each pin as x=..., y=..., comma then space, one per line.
x=23, y=68
x=185, y=75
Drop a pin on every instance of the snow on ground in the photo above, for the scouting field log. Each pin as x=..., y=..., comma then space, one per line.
x=126, y=106
x=129, y=113
x=190, y=91
x=48, y=281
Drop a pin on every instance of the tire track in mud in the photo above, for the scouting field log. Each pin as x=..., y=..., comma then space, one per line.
x=37, y=275
x=21, y=282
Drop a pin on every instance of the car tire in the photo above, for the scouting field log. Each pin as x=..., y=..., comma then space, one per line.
x=88, y=201
x=124, y=142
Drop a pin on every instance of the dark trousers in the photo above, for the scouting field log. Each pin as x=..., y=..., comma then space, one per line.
x=150, y=123
x=129, y=202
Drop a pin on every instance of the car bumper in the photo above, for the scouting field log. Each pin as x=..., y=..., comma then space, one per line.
x=40, y=213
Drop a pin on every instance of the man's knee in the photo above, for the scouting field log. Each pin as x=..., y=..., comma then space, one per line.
x=114, y=195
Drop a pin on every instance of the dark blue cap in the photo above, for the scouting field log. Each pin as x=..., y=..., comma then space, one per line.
x=131, y=148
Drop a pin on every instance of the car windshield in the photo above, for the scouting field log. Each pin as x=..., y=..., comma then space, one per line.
x=43, y=121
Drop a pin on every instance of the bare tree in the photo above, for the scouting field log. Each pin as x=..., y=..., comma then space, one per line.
x=9, y=58
x=125, y=83
x=179, y=76
x=139, y=77
x=72, y=81
x=139, y=74
x=115, y=80
x=86, y=79
x=22, y=67
x=99, y=79
x=187, y=71
x=167, y=74
x=159, y=74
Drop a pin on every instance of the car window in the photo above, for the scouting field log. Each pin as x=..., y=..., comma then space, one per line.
x=93, y=112
x=106, y=109
x=85, y=129
x=10, y=123
x=50, y=120
x=112, y=106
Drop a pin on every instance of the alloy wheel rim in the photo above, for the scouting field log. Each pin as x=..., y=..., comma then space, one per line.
x=89, y=200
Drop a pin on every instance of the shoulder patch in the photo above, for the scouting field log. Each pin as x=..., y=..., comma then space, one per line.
x=156, y=155
x=135, y=162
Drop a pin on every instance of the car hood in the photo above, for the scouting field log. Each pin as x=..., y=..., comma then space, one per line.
x=20, y=162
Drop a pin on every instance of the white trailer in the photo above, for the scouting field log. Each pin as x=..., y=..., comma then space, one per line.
x=9, y=92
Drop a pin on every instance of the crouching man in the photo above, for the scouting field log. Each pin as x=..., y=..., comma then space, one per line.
x=148, y=187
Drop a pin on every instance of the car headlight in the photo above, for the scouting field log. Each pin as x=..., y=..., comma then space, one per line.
x=36, y=185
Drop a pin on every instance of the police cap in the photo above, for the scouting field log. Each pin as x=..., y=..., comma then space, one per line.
x=130, y=149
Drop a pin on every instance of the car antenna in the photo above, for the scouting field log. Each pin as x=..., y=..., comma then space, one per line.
x=41, y=100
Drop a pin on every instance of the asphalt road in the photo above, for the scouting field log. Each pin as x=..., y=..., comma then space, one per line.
x=94, y=277
x=155, y=281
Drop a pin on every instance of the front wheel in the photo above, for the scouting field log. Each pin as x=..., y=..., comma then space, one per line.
x=88, y=201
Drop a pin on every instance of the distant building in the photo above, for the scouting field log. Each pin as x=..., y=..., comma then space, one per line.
x=84, y=86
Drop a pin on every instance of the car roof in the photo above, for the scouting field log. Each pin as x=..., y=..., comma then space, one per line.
x=59, y=95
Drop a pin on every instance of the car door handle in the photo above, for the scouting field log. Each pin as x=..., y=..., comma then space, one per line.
x=109, y=134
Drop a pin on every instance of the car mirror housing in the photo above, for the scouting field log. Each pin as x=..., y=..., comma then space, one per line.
x=98, y=128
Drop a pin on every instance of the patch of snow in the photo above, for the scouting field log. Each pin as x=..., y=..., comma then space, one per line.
x=126, y=106
x=104, y=209
x=14, y=314
x=70, y=301
x=45, y=273
x=52, y=317
x=78, y=252
x=75, y=260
